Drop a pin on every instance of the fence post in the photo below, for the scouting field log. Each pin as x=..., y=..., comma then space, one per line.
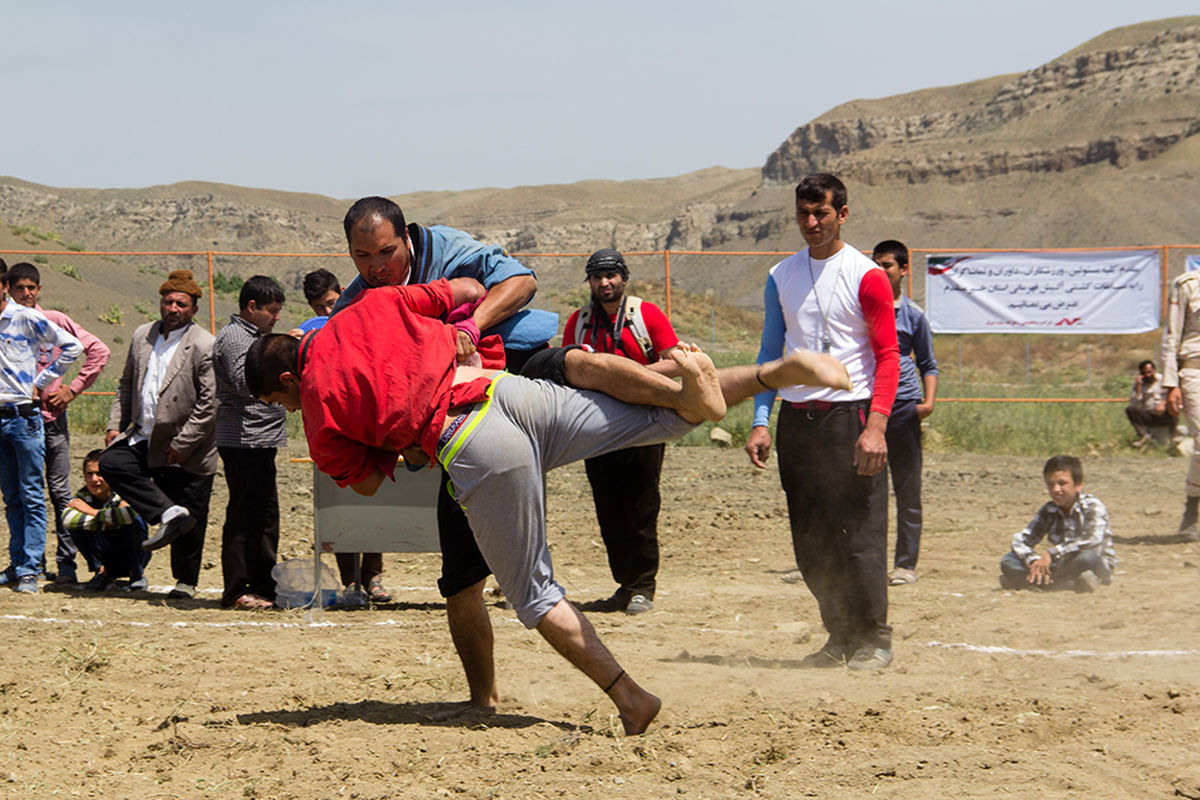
x=667, y=280
x=212, y=301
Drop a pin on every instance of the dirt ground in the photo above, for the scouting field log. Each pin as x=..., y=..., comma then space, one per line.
x=992, y=693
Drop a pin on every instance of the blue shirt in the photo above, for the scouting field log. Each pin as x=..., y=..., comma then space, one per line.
x=914, y=337
x=442, y=252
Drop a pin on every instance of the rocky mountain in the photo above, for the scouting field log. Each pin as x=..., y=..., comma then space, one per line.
x=1114, y=105
x=1097, y=147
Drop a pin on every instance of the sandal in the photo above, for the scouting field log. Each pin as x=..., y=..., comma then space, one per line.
x=377, y=593
x=252, y=602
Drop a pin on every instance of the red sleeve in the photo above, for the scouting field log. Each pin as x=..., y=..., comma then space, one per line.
x=569, y=331
x=875, y=297
x=428, y=299
x=340, y=457
x=662, y=335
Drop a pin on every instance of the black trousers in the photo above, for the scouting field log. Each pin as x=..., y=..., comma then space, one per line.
x=153, y=491
x=370, y=567
x=625, y=491
x=250, y=538
x=838, y=519
x=905, y=459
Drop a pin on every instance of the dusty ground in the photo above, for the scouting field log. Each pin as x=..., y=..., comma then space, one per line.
x=992, y=693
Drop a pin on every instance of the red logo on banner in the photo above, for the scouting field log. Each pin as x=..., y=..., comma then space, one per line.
x=1069, y=321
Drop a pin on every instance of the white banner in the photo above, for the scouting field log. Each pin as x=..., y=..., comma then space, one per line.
x=1094, y=291
x=1192, y=263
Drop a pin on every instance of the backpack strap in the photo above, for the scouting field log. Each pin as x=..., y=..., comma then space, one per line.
x=637, y=326
x=582, y=322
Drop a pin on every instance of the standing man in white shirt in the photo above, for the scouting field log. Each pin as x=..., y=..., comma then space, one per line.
x=162, y=451
x=830, y=298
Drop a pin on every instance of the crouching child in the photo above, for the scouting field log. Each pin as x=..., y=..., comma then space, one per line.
x=115, y=529
x=1079, y=552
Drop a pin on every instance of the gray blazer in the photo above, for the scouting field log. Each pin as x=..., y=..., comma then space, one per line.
x=187, y=400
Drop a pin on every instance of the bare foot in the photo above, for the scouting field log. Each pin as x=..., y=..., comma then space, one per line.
x=701, y=397
x=807, y=368
x=637, y=718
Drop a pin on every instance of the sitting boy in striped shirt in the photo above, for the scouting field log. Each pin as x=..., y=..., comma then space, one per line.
x=1079, y=553
x=101, y=521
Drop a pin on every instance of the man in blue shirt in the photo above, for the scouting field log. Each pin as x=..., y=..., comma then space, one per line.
x=914, y=402
x=388, y=251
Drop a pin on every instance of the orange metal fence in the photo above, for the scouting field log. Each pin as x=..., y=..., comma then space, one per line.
x=211, y=256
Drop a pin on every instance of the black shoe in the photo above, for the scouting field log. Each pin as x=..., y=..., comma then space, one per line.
x=833, y=653
x=617, y=602
x=638, y=604
x=170, y=531
x=99, y=582
x=869, y=657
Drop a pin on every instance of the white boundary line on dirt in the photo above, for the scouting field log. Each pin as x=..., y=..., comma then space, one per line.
x=235, y=624
x=1012, y=651
x=395, y=623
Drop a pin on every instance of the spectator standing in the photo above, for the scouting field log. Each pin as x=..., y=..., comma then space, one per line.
x=25, y=286
x=624, y=482
x=249, y=432
x=162, y=454
x=832, y=299
x=23, y=332
x=914, y=402
x=1181, y=378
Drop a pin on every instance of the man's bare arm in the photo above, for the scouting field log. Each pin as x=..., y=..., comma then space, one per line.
x=503, y=300
x=369, y=485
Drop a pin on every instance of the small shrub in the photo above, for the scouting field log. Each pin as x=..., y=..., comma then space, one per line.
x=225, y=284
x=78, y=248
x=40, y=260
x=114, y=315
x=70, y=270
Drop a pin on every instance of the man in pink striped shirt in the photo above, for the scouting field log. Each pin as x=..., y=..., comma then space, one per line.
x=25, y=287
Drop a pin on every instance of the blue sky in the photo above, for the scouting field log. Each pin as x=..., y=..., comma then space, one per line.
x=371, y=97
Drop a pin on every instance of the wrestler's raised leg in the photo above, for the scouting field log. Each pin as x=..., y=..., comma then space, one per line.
x=799, y=367
x=699, y=398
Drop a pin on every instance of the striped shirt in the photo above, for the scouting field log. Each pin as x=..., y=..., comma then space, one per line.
x=243, y=421
x=1085, y=526
x=110, y=514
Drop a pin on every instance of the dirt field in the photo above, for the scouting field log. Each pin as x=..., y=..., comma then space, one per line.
x=992, y=693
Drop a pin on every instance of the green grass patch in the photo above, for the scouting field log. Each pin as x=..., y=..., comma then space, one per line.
x=114, y=315
x=70, y=270
x=225, y=284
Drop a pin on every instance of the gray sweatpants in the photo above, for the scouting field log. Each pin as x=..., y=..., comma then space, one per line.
x=497, y=463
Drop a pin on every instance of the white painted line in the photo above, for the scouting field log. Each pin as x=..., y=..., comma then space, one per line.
x=1012, y=651
x=22, y=618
